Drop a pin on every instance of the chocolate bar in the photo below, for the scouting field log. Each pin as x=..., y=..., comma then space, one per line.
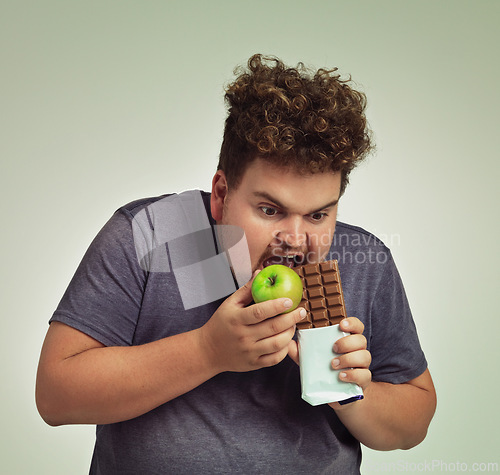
x=323, y=298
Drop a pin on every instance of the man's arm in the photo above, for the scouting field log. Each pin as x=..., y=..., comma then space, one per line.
x=80, y=380
x=391, y=416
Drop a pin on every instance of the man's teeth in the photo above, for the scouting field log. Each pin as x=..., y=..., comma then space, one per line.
x=289, y=260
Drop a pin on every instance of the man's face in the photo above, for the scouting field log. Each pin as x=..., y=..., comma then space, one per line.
x=288, y=218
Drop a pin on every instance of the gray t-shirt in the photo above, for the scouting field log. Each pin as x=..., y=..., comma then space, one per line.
x=249, y=423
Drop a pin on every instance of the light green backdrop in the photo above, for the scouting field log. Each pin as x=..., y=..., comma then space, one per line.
x=103, y=102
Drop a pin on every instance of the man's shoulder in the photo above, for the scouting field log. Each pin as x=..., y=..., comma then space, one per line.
x=134, y=207
x=358, y=250
x=347, y=235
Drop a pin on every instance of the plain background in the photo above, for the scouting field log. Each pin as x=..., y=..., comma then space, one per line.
x=103, y=102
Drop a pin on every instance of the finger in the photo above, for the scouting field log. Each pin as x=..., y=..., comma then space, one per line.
x=350, y=343
x=361, y=377
x=293, y=351
x=356, y=359
x=259, y=312
x=274, y=325
x=243, y=296
x=273, y=358
x=275, y=343
x=352, y=325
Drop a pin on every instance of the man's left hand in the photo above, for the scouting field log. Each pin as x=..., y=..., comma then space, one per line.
x=352, y=356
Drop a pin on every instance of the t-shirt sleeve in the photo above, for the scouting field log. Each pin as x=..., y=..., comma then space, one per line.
x=397, y=356
x=103, y=299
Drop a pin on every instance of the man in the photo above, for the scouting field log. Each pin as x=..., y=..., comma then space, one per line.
x=181, y=372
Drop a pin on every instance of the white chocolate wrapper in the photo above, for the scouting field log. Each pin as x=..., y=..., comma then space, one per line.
x=319, y=381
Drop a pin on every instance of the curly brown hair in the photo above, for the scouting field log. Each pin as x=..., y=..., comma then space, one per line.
x=313, y=121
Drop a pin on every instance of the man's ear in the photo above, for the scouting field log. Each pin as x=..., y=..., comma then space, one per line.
x=219, y=193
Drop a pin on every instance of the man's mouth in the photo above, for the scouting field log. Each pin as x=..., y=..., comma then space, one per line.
x=291, y=260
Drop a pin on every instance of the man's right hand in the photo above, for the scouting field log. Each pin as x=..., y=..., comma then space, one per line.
x=243, y=337
x=80, y=381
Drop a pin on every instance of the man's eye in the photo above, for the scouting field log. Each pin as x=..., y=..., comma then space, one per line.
x=269, y=211
x=318, y=216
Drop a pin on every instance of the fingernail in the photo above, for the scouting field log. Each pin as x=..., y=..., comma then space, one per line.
x=343, y=375
x=287, y=303
x=335, y=348
x=345, y=323
x=302, y=313
x=335, y=362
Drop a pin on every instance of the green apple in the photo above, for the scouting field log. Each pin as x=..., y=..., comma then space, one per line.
x=277, y=281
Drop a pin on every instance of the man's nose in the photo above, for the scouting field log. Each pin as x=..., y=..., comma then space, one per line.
x=292, y=233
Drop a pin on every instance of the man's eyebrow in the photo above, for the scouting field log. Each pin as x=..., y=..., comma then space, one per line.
x=268, y=197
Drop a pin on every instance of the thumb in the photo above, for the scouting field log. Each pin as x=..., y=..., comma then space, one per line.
x=243, y=295
x=293, y=351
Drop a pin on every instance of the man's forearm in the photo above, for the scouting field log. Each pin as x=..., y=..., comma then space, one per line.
x=110, y=384
x=81, y=381
x=391, y=416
